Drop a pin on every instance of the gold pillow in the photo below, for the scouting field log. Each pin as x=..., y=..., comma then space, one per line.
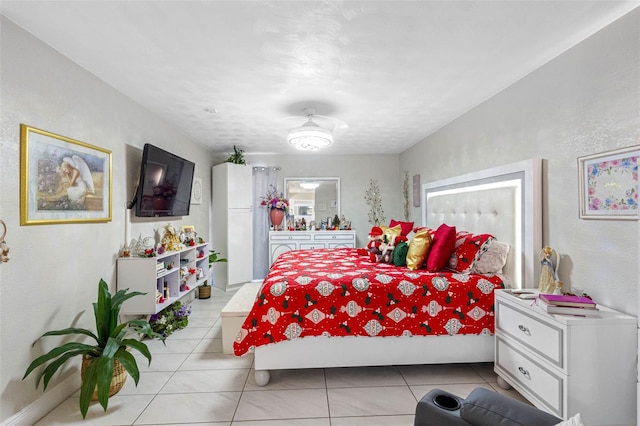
x=418, y=249
x=390, y=233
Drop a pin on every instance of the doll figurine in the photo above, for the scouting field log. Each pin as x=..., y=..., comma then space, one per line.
x=549, y=262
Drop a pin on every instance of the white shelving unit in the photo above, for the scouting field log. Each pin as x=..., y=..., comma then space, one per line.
x=148, y=274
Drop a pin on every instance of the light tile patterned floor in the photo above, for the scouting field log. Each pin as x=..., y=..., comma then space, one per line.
x=190, y=382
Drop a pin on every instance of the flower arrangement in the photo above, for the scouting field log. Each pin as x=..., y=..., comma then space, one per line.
x=275, y=200
x=170, y=319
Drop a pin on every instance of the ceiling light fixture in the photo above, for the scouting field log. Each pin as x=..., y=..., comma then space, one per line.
x=310, y=136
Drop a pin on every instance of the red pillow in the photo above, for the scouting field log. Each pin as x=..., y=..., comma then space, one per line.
x=444, y=240
x=468, y=248
x=406, y=226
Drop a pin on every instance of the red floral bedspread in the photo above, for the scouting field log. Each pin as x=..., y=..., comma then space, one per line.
x=336, y=292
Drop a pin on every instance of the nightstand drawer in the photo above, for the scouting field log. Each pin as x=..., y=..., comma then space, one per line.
x=543, y=338
x=540, y=382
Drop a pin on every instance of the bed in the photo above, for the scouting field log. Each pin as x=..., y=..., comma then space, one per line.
x=504, y=202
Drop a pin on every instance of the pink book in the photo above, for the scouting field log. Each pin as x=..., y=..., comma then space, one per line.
x=566, y=300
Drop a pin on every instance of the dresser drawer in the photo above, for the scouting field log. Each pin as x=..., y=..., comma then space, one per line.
x=542, y=383
x=329, y=236
x=541, y=337
x=311, y=246
x=289, y=237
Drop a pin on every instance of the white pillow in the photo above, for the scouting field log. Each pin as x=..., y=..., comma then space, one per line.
x=493, y=260
x=573, y=421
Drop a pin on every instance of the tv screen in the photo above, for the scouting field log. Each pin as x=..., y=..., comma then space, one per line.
x=164, y=188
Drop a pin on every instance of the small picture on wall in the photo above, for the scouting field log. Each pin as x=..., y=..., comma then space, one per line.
x=609, y=184
x=62, y=180
x=196, y=191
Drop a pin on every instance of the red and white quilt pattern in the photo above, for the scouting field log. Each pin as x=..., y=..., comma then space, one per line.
x=336, y=292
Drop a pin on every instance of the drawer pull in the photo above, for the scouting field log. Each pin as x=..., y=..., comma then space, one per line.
x=524, y=329
x=524, y=372
x=290, y=237
x=333, y=236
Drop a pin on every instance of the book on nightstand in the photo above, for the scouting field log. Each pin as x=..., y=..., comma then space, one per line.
x=568, y=300
x=582, y=311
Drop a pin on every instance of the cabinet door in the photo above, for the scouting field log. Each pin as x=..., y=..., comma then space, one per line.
x=342, y=245
x=240, y=247
x=239, y=186
x=276, y=249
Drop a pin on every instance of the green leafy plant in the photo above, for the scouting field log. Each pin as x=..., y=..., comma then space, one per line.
x=112, y=341
x=237, y=157
x=213, y=257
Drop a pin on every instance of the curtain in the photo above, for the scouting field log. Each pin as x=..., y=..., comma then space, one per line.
x=262, y=178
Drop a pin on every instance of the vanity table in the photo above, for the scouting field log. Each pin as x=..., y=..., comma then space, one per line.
x=284, y=241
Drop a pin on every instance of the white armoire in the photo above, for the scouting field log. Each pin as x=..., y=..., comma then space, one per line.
x=232, y=224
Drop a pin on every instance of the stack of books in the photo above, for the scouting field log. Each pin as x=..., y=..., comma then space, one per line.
x=568, y=305
x=160, y=268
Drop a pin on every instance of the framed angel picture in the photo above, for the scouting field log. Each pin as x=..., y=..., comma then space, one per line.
x=62, y=180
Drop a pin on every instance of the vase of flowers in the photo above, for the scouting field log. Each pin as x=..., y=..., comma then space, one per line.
x=278, y=206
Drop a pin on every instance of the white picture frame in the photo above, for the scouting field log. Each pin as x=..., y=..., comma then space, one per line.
x=196, y=191
x=609, y=184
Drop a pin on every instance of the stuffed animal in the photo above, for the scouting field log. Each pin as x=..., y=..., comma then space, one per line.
x=387, y=252
x=375, y=243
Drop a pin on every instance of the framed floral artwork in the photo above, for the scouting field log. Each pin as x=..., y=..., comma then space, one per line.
x=609, y=184
x=62, y=180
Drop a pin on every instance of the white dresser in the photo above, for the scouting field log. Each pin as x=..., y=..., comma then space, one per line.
x=567, y=364
x=283, y=241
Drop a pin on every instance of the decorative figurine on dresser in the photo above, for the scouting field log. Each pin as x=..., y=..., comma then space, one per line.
x=549, y=262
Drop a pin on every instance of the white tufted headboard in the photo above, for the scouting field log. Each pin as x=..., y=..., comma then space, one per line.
x=505, y=201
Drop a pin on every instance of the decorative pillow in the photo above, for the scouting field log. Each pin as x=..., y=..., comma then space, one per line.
x=389, y=233
x=493, y=260
x=405, y=226
x=467, y=249
x=418, y=249
x=444, y=240
x=400, y=254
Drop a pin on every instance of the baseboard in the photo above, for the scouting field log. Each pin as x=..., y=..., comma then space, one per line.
x=47, y=402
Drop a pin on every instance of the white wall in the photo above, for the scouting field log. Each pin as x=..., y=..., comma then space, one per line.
x=583, y=102
x=355, y=172
x=52, y=277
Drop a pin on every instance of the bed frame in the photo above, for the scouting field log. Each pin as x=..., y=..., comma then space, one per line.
x=503, y=201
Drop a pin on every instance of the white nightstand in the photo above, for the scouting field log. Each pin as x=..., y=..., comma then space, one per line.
x=567, y=364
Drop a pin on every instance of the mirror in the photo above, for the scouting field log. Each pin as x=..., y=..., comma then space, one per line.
x=313, y=199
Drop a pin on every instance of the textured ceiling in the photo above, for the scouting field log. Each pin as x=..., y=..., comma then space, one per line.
x=386, y=73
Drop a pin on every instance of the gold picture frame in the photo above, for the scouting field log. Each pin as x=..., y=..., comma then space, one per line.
x=609, y=184
x=62, y=180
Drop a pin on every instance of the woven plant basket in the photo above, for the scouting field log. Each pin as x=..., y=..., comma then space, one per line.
x=117, y=382
x=204, y=292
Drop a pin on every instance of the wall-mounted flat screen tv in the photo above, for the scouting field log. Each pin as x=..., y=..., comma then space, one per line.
x=164, y=188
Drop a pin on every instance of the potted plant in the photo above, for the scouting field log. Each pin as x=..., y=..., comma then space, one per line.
x=204, y=291
x=105, y=363
x=237, y=157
